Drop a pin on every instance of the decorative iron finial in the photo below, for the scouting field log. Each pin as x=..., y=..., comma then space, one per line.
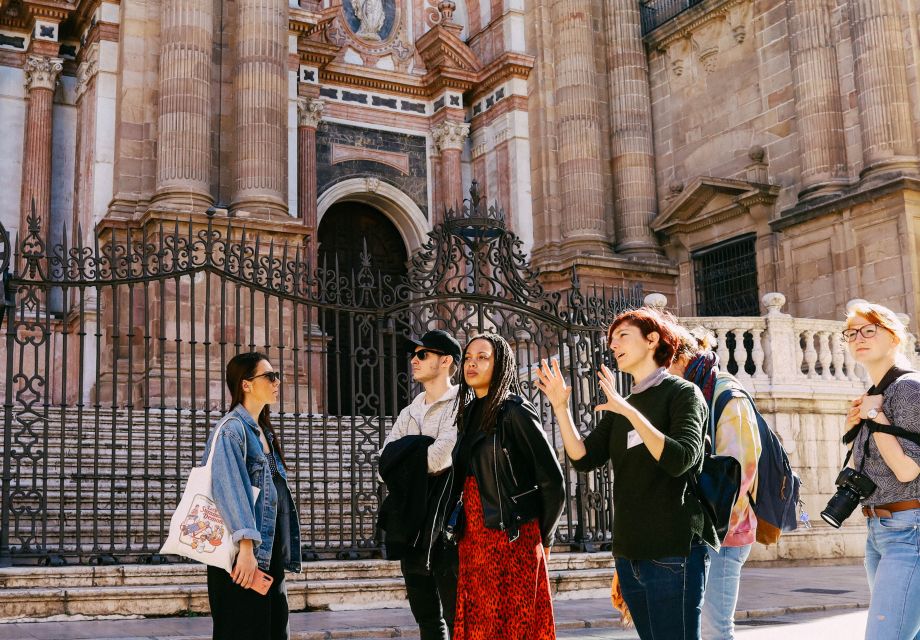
x=475, y=221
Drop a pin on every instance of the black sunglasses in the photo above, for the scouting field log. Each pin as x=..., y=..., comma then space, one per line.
x=421, y=354
x=273, y=376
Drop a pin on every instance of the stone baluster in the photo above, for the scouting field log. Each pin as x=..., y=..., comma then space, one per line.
x=578, y=128
x=183, y=179
x=817, y=98
x=41, y=78
x=309, y=114
x=839, y=358
x=757, y=354
x=811, y=355
x=882, y=94
x=850, y=363
x=722, y=347
x=260, y=85
x=632, y=153
x=824, y=354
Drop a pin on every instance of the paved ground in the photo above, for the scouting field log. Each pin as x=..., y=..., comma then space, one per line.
x=817, y=601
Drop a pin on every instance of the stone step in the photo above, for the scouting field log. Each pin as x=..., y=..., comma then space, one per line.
x=181, y=588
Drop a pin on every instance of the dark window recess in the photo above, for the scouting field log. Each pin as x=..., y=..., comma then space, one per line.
x=309, y=75
x=329, y=93
x=439, y=104
x=414, y=107
x=68, y=50
x=13, y=41
x=383, y=102
x=455, y=101
x=45, y=31
x=477, y=108
x=350, y=96
x=499, y=94
x=489, y=102
x=725, y=276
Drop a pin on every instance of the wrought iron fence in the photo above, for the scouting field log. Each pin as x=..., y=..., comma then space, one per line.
x=113, y=371
x=656, y=12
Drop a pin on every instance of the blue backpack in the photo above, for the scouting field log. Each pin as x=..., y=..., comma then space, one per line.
x=777, y=485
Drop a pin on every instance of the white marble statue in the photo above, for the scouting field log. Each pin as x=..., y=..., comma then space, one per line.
x=371, y=15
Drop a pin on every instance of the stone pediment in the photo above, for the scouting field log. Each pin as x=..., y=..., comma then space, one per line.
x=707, y=201
x=446, y=55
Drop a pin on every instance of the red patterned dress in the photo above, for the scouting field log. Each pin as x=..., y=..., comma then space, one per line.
x=503, y=589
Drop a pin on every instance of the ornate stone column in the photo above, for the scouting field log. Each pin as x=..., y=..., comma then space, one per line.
x=309, y=113
x=632, y=152
x=184, y=123
x=41, y=78
x=261, y=88
x=817, y=98
x=881, y=85
x=578, y=128
x=449, y=138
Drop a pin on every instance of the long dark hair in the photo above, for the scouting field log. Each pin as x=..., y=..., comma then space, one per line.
x=242, y=367
x=504, y=382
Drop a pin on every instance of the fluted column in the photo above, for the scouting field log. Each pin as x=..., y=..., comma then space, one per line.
x=817, y=98
x=578, y=126
x=41, y=77
x=881, y=86
x=184, y=123
x=449, y=137
x=632, y=151
x=260, y=86
x=309, y=113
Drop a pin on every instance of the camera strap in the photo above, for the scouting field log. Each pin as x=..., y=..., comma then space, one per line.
x=890, y=376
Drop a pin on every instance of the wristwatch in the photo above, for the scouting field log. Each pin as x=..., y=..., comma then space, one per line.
x=872, y=413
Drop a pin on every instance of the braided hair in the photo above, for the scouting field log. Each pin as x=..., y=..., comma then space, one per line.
x=504, y=382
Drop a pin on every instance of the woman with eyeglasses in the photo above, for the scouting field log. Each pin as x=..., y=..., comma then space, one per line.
x=875, y=337
x=250, y=487
x=508, y=484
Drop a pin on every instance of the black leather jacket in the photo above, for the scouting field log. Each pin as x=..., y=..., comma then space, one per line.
x=517, y=471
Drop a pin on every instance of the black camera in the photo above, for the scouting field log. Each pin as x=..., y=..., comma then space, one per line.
x=852, y=486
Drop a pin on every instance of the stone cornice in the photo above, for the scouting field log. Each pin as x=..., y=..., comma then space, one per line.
x=818, y=207
x=42, y=72
x=506, y=66
x=304, y=22
x=450, y=135
x=683, y=25
x=309, y=112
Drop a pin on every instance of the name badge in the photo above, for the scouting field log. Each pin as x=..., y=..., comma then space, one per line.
x=633, y=439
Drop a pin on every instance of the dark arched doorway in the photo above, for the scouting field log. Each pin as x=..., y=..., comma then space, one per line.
x=361, y=354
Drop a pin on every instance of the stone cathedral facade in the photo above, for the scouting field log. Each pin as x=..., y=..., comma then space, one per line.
x=713, y=150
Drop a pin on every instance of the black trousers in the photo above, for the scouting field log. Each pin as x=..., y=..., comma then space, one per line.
x=243, y=614
x=433, y=597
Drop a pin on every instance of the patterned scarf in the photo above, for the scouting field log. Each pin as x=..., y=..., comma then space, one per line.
x=702, y=372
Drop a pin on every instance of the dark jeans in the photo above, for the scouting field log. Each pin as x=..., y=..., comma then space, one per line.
x=665, y=595
x=243, y=614
x=433, y=597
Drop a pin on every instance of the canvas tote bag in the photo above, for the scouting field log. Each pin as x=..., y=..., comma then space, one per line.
x=197, y=530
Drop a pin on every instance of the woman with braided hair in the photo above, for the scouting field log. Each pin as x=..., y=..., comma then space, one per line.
x=509, y=486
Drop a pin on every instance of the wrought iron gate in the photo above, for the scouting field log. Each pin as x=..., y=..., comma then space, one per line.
x=112, y=371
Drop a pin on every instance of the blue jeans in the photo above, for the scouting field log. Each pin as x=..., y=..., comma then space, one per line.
x=665, y=595
x=893, y=567
x=722, y=591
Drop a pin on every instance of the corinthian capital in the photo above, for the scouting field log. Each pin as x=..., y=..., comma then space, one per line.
x=309, y=112
x=42, y=72
x=450, y=135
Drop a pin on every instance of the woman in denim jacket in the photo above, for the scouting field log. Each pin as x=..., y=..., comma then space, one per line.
x=249, y=484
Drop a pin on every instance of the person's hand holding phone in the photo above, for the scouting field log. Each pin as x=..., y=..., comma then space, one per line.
x=244, y=570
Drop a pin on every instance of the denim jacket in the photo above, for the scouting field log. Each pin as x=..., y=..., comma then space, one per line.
x=234, y=476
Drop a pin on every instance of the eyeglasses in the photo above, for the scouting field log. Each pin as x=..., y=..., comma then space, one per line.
x=421, y=354
x=273, y=376
x=867, y=331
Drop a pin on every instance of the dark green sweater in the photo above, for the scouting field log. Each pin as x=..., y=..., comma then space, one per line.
x=655, y=514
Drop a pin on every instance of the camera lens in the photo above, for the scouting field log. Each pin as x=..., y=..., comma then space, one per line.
x=840, y=506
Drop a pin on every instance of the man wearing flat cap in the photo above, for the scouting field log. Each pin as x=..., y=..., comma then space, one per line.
x=413, y=461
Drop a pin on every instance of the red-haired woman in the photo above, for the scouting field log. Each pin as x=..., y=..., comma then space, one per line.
x=654, y=438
